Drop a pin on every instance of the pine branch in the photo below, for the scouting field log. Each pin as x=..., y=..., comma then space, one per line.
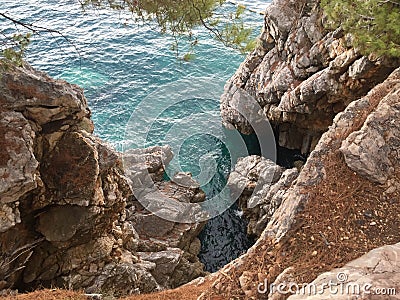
x=37, y=29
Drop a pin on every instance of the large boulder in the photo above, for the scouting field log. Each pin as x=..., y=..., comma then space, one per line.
x=262, y=184
x=375, y=275
x=155, y=213
x=372, y=151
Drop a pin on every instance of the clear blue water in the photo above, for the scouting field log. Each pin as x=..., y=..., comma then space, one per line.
x=119, y=63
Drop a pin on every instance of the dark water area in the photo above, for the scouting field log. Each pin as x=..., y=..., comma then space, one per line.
x=224, y=237
x=252, y=143
x=286, y=157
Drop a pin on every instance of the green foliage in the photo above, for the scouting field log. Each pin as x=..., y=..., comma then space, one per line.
x=180, y=17
x=188, y=56
x=15, y=49
x=374, y=24
x=177, y=17
x=236, y=34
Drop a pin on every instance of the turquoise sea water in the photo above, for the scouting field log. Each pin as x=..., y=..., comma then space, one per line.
x=120, y=63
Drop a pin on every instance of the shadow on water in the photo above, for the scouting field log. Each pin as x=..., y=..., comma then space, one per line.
x=224, y=238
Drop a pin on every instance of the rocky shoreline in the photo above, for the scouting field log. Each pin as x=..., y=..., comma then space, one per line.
x=326, y=100
x=301, y=75
x=69, y=212
x=333, y=212
x=69, y=217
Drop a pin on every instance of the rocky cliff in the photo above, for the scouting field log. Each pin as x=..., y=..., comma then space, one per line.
x=301, y=75
x=68, y=215
x=324, y=98
x=343, y=204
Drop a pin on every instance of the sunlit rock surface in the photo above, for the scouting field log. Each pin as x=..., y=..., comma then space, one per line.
x=301, y=75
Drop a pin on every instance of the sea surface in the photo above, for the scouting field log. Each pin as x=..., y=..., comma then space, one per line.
x=123, y=64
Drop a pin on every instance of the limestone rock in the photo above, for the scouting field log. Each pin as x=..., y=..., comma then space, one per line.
x=16, y=248
x=122, y=279
x=262, y=185
x=185, y=180
x=321, y=95
x=300, y=75
x=253, y=171
x=164, y=241
x=65, y=221
x=274, y=198
x=371, y=151
x=378, y=270
x=373, y=115
x=18, y=165
x=165, y=261
x=9, y=216
x=150, y=161
x=49, y=103
x=314, y=169
x=65, y=182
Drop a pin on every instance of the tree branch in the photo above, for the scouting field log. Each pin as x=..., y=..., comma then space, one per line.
x=37, y=29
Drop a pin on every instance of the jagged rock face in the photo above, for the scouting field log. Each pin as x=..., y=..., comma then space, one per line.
x=18, y=165
x=170, y=246
x=323, y=97
x=343, y=128
x=367, y=124
x=68, y=216
x=301, y=75
x=373, y=150
x=263, y=184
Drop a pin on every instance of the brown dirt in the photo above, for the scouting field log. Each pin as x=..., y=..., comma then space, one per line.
x=181, y=293
x=184, y=293
x=346, y=216
x=48, y=295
